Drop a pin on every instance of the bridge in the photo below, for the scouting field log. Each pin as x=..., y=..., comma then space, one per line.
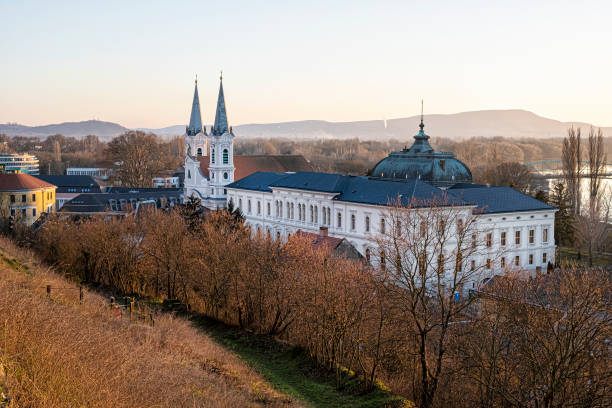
x=552, y=169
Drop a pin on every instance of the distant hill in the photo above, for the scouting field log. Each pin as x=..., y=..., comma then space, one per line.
x=488, y=123
x=99, y=128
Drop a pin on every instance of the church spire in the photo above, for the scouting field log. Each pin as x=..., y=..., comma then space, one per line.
x=220, y=126
x=195, y=122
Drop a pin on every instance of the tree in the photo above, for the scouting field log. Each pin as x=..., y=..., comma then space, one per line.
x=510, y=174
x=596, y=166
x=429, y=247
x=564, y=219
x=543, y=342
x=571, y=157
x=138, y=156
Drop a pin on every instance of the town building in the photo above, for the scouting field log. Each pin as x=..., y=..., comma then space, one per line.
x=25, y=197
x=282, y=199
x=69, y=186
x=121, y=201
x=19, y=163
x=101, y=173
x=210, y=163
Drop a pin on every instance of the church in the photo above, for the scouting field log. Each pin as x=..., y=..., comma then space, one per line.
x=280, y=195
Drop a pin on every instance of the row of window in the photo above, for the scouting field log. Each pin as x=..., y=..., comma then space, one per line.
x=23, y=212
x=326, y=215
x=459, y=261
x=24, y=197
x=225, y=157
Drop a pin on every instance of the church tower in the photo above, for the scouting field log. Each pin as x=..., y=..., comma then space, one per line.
x=195, y=134
x=221, y=155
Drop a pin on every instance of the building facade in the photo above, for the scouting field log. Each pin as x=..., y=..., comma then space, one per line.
x=25, y=198
x=19, y=163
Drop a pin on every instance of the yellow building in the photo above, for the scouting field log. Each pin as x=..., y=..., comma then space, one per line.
x=25, y=197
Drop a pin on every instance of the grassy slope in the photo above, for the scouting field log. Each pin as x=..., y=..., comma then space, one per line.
x=57, y=352
x=293, y=373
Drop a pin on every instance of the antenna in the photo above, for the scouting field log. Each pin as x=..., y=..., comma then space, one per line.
x=421, y=111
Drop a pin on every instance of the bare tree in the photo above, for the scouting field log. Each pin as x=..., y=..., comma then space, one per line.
x=138, y=156
x=433, y=251
x=571, y=157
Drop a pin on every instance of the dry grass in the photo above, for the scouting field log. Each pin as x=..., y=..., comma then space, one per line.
x=59, y=353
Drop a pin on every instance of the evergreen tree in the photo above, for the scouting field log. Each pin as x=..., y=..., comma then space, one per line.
x=564, y=220
x=192, y=212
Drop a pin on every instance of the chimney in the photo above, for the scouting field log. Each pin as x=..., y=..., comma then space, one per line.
x=323, y=231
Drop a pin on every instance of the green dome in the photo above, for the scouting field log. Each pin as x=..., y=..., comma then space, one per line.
x=421, y=161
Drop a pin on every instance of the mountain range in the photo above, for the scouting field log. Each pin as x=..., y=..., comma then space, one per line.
x=487, y=123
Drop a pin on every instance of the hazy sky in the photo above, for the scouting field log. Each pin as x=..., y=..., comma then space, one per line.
x=134, y=62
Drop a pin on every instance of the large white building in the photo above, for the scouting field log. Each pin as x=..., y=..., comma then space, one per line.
x=281, y=202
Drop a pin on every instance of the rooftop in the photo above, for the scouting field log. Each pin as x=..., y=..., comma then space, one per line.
x=22, y=181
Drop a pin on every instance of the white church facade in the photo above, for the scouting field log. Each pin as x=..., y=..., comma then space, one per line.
x=281, y=200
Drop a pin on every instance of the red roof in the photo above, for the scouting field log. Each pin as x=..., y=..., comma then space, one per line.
x=21, y=181
x=320, y=241
x=247, y=165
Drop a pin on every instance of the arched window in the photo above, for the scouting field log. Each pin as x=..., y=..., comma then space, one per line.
x=268, y=208
x=225, y=156
x=188, y=173
x=212, y=155
x=367, y=253
x=339, y=220
x=367, y=223
x=225, y=176
x=353, y=222
x=199, y=151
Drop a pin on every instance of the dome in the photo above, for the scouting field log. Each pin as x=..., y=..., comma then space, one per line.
x=421, y=161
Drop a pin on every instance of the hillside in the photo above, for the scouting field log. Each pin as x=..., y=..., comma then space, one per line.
x=57, y=352
x=487, y=123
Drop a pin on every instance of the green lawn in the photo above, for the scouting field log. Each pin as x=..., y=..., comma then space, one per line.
x=290, y=370
x=570, y=256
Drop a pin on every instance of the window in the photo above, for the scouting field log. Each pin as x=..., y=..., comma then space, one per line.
x=473, y=264
x=225, y=175
x=33, y=212
x=503, y=238
x=23, y=213
x=188, y=173
x=545, y=235
x=489, y=240
x=240, y=203
x=423, y=228
x=311, y=213
x=383, y=261
x=517, y=260
x=459, y=224
x=258, y=207
x=277, y=234
x=339, y=220
x=531, y=236
x=225, y=156
x=544, y=257
x=488, y=263
x=353, y=222
x=23, y=198
x=459, y=262
x=12, y=198
x=12, y=212
x=199, y=151
x=268, y=208
x=367, y=254
x=225, y=191
x=517, y=237
x=473, y=241
x=530, y=259
x=503, y=262
x=316, y=214
x=367, y=223
x=212, y=155
x=34, y=198
x=382, y=225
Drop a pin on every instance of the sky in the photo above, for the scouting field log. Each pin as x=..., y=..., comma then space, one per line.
x=134, y=62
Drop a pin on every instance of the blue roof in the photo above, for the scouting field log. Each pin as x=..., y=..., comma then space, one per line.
x=259, y=181
x=312, y=181
x=499, y=199
x=355, y=189
x=220, y=126
x=195, y=121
